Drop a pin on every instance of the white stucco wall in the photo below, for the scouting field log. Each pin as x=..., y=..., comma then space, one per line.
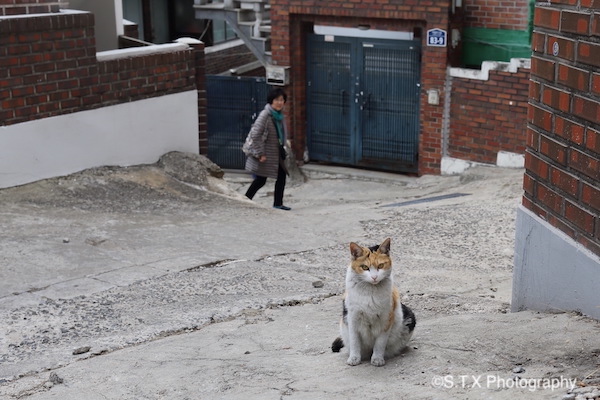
x=126, y=134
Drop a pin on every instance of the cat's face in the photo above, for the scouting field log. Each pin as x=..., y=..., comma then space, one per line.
x=373, y=264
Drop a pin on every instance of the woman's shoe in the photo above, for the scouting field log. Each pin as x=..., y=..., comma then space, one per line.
x=282, y=207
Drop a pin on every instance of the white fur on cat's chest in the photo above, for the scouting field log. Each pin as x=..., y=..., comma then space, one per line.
x=368, y=310
x=373, y=322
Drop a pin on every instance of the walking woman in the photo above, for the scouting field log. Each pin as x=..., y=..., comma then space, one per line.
x=267, y=152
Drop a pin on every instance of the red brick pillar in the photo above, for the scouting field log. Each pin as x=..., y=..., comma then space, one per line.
x=562, y=179
x=200, y=74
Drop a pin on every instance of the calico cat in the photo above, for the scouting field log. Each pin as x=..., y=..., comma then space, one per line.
x=374, y=323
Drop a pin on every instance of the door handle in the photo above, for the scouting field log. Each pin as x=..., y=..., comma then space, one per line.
x=366, y=104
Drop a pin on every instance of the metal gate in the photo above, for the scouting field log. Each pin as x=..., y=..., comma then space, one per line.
x=233, y=103
x=363, y=102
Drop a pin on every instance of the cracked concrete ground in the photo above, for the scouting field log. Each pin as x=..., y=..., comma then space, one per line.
x=171, y=291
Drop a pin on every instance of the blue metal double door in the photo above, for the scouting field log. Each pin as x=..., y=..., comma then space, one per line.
x=363, y=102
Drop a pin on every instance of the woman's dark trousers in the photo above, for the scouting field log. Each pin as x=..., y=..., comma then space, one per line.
x=259, y=182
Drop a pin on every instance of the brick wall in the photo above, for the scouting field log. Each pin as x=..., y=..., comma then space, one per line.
x=293, y=18
x=48, y=67
x=497, y=14
x=562, y=179
x=15, y=7
x=488, y=116
x=222, y=60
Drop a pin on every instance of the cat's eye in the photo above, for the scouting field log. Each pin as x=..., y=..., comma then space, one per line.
x=364, y=267
x=380, y=266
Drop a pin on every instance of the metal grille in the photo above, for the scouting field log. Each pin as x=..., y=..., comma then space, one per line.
x=328, y=106
x=233, y=103
x=390, y=115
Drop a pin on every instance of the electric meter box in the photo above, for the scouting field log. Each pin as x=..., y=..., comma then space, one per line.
x=278, y=76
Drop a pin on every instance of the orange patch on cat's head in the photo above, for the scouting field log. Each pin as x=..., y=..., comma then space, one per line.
x=376, y=256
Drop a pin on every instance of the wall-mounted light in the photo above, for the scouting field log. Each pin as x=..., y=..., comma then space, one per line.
x=364, y=27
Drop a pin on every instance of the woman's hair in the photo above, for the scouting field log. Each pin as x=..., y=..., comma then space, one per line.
x=275, y=93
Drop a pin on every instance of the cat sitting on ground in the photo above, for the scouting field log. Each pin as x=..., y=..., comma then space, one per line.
x=374, y=323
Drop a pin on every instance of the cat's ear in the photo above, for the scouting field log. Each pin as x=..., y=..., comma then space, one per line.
x=384, y=248
x=355, y=250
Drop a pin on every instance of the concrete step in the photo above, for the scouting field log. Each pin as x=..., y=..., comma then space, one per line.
x=252, y=21
x=254, y=29
x=266, y=27
x=263, y=44
x=218, y=11
x=233, y=4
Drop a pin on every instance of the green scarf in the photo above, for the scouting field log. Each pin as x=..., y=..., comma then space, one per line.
x=278, y=122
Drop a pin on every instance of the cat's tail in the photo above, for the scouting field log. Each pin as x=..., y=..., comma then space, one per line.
x=337, y=345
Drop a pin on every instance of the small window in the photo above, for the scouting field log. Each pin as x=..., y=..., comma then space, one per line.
x=184, y=20
x=222, y=32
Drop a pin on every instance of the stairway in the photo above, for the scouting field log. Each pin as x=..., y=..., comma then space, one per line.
x=249, y=19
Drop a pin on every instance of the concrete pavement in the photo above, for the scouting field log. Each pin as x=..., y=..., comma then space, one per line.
x=182, y=293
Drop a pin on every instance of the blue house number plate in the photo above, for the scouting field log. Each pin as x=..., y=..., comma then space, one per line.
x=436, y=37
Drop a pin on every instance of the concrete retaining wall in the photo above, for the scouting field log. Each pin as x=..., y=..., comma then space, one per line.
x=553, y=272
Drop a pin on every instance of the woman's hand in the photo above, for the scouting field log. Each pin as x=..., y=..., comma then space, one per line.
x=262, y=158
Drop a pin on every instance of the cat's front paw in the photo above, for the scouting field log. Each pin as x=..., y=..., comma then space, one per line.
x=377, y=361
x=353, y=360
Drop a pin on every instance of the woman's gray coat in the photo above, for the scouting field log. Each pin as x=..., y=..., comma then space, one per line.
x=269, y=147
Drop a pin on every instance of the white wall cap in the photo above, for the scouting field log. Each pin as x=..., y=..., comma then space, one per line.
x=141, y=51
x=483, y=74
